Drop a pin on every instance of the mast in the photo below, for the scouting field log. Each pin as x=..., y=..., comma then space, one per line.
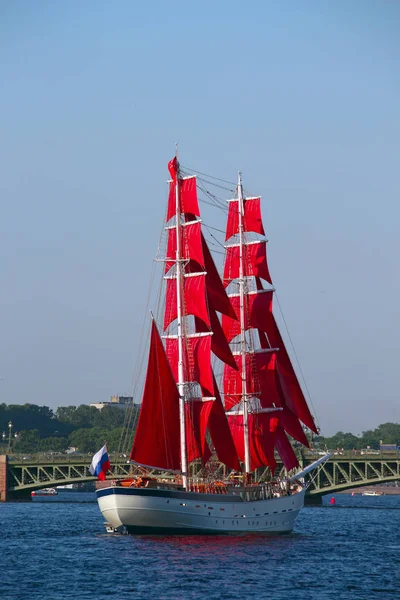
x=242, y=328
x=181, y=383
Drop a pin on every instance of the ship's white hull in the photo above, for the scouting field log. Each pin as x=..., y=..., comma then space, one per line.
x=165, y=511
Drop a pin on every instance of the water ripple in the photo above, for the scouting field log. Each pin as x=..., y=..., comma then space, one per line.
x=59, y=550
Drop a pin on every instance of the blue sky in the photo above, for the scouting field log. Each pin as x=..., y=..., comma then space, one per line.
x=303, y=97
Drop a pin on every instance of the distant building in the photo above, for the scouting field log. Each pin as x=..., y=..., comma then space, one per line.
x=117, y=401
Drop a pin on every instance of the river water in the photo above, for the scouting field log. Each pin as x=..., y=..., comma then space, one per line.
x=58, y=550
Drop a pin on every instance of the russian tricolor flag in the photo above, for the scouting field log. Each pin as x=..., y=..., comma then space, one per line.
x=100, y=463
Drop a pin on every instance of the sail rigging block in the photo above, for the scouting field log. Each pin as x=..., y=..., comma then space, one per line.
x=254, y=261
x=158, y=431
x=251, y=220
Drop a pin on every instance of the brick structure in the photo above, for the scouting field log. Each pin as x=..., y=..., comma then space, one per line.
x=3, y=478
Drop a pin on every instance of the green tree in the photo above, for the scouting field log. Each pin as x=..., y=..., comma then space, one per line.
x=91, y=440
x=389, y=433
x=109, y=417
x=28, y=441
x=347, y=441
x=78, y=416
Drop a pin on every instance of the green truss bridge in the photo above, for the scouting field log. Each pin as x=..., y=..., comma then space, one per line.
x=20, y=475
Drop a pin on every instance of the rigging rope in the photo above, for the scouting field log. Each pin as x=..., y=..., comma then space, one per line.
x=132, y=414
x=210, y=176
x=297, y=359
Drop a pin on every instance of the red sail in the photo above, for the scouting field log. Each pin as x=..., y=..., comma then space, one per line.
x=262, y=428
x=173, y=168
x=188, y=202
x=287, y=382
x=195, y=300
x=191, y=245
x=292, y=426
x=285, y=450
x=206, y=408
x=290, y=386
x=157, y=437
x=196, y=444
x=219, y=344
x=255, y=261
x=260, y=380
x=215, y=289
x=257, y=314
x=221, y=434
x=196, y=360
x=252, y=217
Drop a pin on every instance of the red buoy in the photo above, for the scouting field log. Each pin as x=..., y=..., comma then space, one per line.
x=332, y=500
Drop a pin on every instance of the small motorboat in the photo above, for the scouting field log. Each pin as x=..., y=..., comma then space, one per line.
x=44, y=492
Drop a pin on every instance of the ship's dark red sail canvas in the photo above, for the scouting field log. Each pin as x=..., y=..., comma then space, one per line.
x=221, y=398
x=196, y=296
x=255, y=261
x=257, y=313
x=251, y=220
x=157, y=436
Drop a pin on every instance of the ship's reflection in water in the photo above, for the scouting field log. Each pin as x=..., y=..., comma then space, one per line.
x=220, y=545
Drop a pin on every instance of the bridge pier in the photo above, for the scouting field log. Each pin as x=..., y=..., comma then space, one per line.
x=20, y=496
x=312, y=500
x=3, y=477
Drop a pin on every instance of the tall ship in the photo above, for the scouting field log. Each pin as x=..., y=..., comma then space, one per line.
x=220, y=386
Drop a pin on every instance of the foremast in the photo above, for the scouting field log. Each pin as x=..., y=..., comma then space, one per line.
x=242, y=327
x=180, y=333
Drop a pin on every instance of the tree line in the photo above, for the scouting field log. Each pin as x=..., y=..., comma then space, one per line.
x=40, y=429
x=387, y=433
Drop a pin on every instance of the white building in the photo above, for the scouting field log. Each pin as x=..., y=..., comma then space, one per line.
x=117, y=401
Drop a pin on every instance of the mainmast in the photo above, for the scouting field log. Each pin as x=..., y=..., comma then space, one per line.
x=242, y=327
x=181, y=382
